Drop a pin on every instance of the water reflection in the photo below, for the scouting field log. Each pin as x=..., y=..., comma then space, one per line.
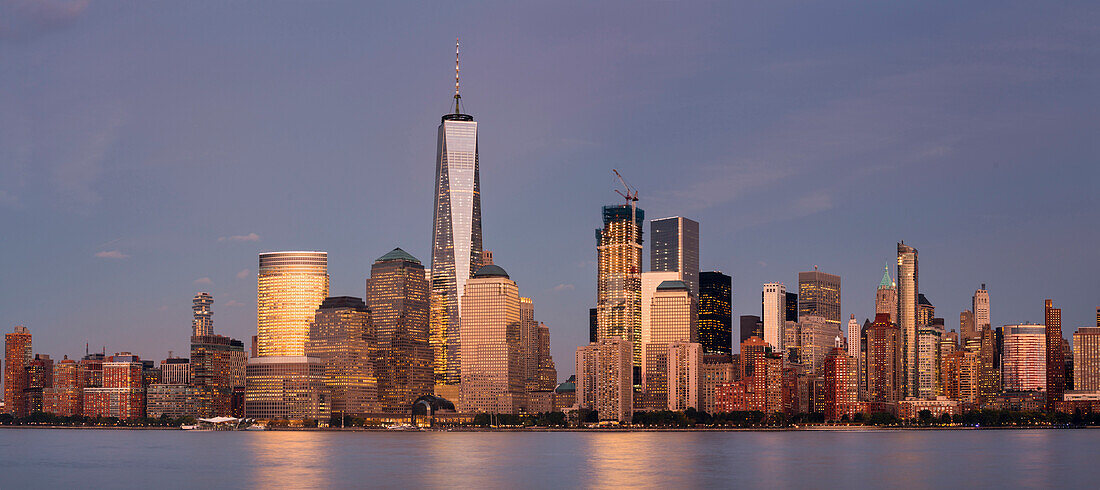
x=639, y=459
x=289, y=459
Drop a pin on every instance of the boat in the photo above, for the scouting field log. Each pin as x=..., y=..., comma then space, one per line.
x=255, y=427
x=189, y=427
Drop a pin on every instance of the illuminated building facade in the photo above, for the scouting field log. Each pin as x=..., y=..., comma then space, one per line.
x=989, y=375
x=65, y=397
x=202, y=308
x=980, y=306
x=342, y=338
x=618, y=280
x=774, y=314
x=286, y=388
x=175, y=370
x=122, y=394
x=716, y=312
x=672, y=319
x=217, y=369
x=967, y=327
x=961, y=373
x=290, y=287
x=819, y=294
x=685, y=371
x=173, y=400
x=674, y=247
x=886, y=297
x=456, y=235
x=547, y=372
x=718, y=369
x=1086, y=359
x=397, y=295
x=1055, y=357
x=883, y=360
x=604, y=379
x=929, y=337
x=908, y=283
x=1023, y=362
x=492, y=359
x=841, y=389
x=17, y=356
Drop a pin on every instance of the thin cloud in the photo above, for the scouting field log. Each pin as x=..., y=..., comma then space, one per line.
x=244, y=273
x=26, y=19
x=564, y=287
x=111, y=254
x=204, y=280
x=234, y=304
x=251, y=237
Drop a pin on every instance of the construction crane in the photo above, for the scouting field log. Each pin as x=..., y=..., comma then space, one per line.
x=631, y=197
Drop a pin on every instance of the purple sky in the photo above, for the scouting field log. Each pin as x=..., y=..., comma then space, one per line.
x=149, y=150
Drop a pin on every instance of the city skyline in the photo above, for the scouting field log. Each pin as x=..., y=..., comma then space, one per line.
x=118, y=252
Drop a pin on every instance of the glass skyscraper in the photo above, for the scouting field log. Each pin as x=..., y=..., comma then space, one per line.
x=675, y=247
x=456, y=234
x=619, y=276
x=290, y=287
x=715, y=313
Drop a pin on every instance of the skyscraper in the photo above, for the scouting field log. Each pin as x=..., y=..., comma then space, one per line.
x=397, y=296
x=886, y=297
x=883, y=360
x=17, y=355
x=618, y=281
x=456, y=233
x=980, y=306
x=929, y=336
x=604, y=379
x=684, y=372
x=342, y=337
x=217, y=370
x=290, y=287
x=715, y=313
x=791, y=307
x=750, y=326
x=819, y=294
x=1023, y=363
x=968, y=329
x=493, y=367
x=203, y=323
x=1055, y=358
x=989, y=375
x=908, y=273
x=853, y=337
x=1086, y=359
x=774, y=314
x=675, y=247
x=672, y=319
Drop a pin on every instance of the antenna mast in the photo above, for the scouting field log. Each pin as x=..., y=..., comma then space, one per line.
x=457, y=96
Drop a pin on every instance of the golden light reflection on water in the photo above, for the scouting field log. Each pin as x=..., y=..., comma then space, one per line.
x=638, y=459
x=288, y=459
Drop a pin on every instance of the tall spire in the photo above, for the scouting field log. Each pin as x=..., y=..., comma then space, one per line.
x=457, y=96
x=886, y=282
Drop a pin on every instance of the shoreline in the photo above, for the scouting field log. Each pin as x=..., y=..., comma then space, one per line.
x=816, y=428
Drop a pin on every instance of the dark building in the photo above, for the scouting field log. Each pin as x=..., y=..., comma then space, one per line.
x=592, y=323
x=343, y=338
x=1055, y=358
x=791, y=307
x=217, y=367
x=751, y=326
x=397, y=294
x=716, y=312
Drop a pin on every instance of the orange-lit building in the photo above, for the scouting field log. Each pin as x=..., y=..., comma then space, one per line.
x=122, y=394
x=1055, y=357
x=17, y=355
x=840, y=385
x=66, y=397
x=884, y=356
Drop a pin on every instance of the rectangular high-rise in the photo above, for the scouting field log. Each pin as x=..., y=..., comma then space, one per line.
x=493, y=366
x=750, y=326
x=675, y=247
x=1086, y=359
x=456, y=236
x=819, y=294
x=883, y=368
x=908, y=284
x=17, y=355
x=1055, y=357
x=343, y=338
x=980, y=306
x=290, y=287
x=774, y=314
x=397, y=296
x=619, y=276
x=1023, y=362
x=886, y=296
x=672, y=319
x=604, y=379
x=715, y=313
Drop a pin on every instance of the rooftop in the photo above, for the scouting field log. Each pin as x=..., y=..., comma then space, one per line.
x=398, y=254
x=491, y=270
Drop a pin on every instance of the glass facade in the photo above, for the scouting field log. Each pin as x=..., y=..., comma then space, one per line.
x=456, y=238
x=286, y=387
x=342, y=337
x=819, y=294
x=675, y=248
x=203, y=323
x=715, y=313
x=907, y=316
x=290, y=287
x=1023, y=363
x=397, y=294
x=493, y=361
x=619, y=276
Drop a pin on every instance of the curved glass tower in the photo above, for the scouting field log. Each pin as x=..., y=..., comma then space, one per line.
x=456, y=233
x=290, y=287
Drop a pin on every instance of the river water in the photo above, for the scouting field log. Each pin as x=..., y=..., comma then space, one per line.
x=66, y=458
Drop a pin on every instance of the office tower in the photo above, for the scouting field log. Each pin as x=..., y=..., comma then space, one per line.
x=989, y=376
x=39, y=378
x=774, y=314
x=684, y=370
x=718, y=369
x=751, y=326
x=286, y=388
x=492, y=359
x=908, y=272
x=715, y=313
x=290, y=287
x=819, y=294
x=528, y=346
x=202, y=306
x=1023, y=363
x=840, y=384
x=65, y=398
x=592, y=325
x=456, y=234
x=175, y=371
x=886, y=297
x=650, y=281
x=547, y=372
x=980, y=306
x=961, y=376
x=816, y=337
x=883, y=360
x=172, y=400
x=672, y=319
x=853, y=335
x=791, y=307
x=925, y=311
x=675, y=248
x=343, y=338
x=604, y=379
x=397, y=296
x=17, y=355
x=928, y=359
x=619, y=283
x=122, y=394
x=1068, y=364
x=217, y=368
x=91, y=369
x=1055, y=358
x=967, y=326
x=1086, y=359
